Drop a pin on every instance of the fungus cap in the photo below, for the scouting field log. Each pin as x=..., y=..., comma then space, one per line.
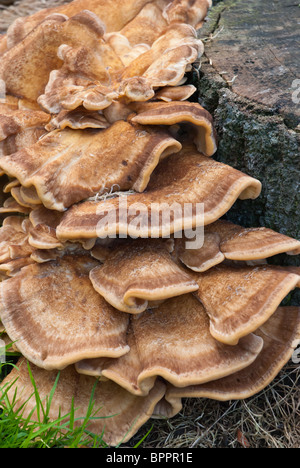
x=129, y=154
x=119, y=413
x=240, y=299
x=184, y=178
x=281, y=335
x=138, y=273
x=55, y=298
x=173, y=341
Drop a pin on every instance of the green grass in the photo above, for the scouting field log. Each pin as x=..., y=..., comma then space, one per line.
x=67, y=431
x=17, y=431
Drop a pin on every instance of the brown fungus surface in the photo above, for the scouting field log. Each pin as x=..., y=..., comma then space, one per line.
x=68, y=166
x=238, y=243
x=138, y=274
x=198, y=121
x=173, y=341
x=280, y=335
x=56, y=298
x=239, y=299
x=224, y=240
x=119, y=413
x=184, y=178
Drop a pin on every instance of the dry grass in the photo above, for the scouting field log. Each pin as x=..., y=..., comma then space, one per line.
x=270, y=419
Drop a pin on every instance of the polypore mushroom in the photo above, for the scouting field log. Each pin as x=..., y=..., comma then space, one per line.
x=20, y=140
x=175, y=93
x=238, y=243
x=225, y=240
x=15, y=250
x=172, y=113
x=147, y=25
x=17, y=194
x=10, y=205
x=13, y=121
x=12, y=267
x=184, y=178
x=116, y=14
x=84, y=29
x=239, y=299
x=187, y=11
x=280, y=335
x=119, y=413
x=113, y=156
x=12, y=183
x=55, y=298
x=94, y=165
x=84, y=80
x=13, y=239
x=80, y=119
x=199, y=259
x=173, y=341
x=140, y=273
x=44, y=237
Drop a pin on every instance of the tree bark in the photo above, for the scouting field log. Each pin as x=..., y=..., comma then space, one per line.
x=248, y=80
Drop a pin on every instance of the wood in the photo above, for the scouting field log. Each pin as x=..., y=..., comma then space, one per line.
x=255, y=117
x=256, y=47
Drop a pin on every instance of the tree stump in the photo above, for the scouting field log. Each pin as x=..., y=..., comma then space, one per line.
x=249, y=82
x=249, y=79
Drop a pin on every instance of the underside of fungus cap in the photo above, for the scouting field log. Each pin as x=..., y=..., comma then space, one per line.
x=119, y=414
x=281, y=336
x=240, y=299
x=84, y=29
x=80, y=119
x=238, y=243
x=94, y=165
x=198, y=121
x=199, y=259
x=138, y=274
x=173, y=341
x=224, y=240
x=13, y=121
x=184, y=178
x=13, y=239
x=10, y=206
x=175, y=93
x=69, y=319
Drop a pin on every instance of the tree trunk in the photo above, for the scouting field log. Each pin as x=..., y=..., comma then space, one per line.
x=249, y=79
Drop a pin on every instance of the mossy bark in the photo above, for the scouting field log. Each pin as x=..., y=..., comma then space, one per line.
x=259, y=139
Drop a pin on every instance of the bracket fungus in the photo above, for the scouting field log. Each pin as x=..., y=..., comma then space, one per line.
x=108, y=172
